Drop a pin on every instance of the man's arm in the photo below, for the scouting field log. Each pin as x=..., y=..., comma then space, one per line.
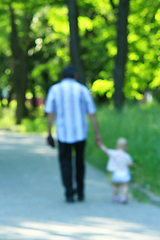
x=98, y=139
x=50, y=117
x=50, y=140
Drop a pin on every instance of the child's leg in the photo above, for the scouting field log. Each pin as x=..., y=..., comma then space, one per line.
x=125, y=189
x=124, y=192
x=115, y=188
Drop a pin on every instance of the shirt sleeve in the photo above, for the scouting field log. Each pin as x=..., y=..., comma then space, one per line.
x=111, y=152
x=50, y=101
x=90, y=108
x=111, y=163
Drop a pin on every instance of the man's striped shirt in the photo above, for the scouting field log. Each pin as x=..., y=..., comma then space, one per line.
x=70, y=101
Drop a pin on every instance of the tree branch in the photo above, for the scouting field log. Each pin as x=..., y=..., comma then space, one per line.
x=113, y=5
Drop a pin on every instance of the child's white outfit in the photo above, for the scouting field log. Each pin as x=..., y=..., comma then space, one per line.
x=118, y=163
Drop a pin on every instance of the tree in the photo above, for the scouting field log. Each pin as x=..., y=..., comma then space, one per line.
x=74, y=40
x=142, y=72
x=97, y=32
x=50, y=53
x=19, y=65
x=49, y=36
x=122, y=50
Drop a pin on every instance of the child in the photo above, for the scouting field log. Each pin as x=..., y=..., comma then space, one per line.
x=119, y=163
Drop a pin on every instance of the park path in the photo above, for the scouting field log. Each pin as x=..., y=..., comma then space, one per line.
x=32, y=205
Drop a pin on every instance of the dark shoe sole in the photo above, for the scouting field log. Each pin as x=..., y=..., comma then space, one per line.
x=70, y=199
x=80, y=198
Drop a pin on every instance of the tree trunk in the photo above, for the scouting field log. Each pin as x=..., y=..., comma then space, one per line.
x=74, y=40
x=19, y=65
x=122, y=50
x=21, y=110
x=32, y=87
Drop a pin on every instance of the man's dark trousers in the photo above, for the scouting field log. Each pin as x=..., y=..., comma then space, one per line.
x=65, y=158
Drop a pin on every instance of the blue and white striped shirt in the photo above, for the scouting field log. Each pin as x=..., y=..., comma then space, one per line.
x=70, y=101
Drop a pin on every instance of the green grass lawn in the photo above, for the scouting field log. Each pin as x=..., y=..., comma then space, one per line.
x=140, y=124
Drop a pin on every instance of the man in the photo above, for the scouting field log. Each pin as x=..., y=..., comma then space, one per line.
x=69, y=101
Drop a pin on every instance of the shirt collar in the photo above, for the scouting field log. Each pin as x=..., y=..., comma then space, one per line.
x=69, y=79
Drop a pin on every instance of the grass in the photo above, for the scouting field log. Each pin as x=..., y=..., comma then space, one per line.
x=140, y=196
x=140, y=124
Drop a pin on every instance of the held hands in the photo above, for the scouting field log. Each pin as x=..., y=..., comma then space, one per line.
x=99, y=143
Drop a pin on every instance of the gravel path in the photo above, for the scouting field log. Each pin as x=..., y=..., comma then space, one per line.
x=32, y=204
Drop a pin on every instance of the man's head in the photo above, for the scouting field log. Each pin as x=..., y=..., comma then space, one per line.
x=69, y=72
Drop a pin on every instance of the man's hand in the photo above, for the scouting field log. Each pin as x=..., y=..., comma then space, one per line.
x=50, y=141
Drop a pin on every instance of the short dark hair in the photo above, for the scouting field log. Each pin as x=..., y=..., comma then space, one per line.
x=69, y=72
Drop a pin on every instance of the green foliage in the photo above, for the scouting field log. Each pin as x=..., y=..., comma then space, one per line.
x=50, y=51
x=97, y=36
x=103, y=87
x=37, y=122
x=142, y=68
x=140, y=125
x=5, y=51
x=7, y=118
x=46, y=44
x=37, y=125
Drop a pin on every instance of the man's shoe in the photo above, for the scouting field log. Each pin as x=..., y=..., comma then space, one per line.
x=70, y=199
x=80, y=198
x=75, y=191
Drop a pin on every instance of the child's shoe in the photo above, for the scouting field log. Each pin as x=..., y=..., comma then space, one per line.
x=115, y=199
x=123, y=200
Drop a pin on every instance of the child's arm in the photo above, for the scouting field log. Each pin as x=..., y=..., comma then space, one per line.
x=104, y=148
x=130, y=164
